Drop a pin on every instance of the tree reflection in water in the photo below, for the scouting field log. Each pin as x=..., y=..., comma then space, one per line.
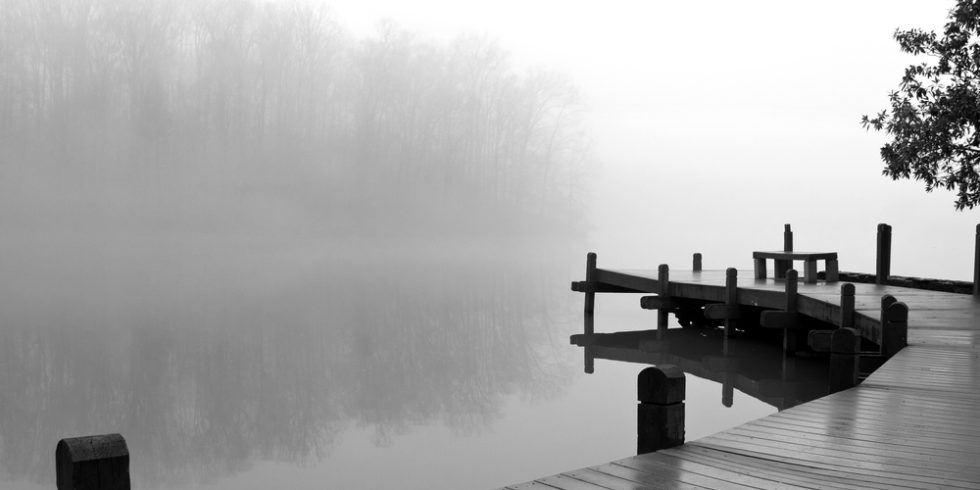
x=204, y=381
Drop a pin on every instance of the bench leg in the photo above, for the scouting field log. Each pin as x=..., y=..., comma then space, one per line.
x=831, y=270
x=760, y=268
x=810, y=272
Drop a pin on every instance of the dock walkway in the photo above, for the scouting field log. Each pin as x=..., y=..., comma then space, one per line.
x=911, y=424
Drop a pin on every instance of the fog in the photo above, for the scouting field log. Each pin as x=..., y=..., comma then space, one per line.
x=282, y=241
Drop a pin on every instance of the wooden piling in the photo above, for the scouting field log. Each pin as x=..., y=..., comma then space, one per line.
x=781, y=266
x=884, y=254
x=697, y=263
x=663, y=290
x=92, y=463
x=976, y=263
x=790, y=335
x=589, y=327
x=660, y=413
x=731, y=298
x=846, y=305
x=894, y=326
x=845, y=347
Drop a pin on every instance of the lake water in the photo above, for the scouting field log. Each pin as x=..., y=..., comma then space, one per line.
x=242, y=364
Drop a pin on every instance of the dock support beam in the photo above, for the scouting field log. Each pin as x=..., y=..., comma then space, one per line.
x=660, y=413
x=884, y=254
x=92, y=463
x=589, y=327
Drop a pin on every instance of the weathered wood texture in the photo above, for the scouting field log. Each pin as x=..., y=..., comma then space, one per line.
x=910, y=424
x=92, y=463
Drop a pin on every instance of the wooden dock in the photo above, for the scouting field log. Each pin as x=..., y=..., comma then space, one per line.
x=912, y=423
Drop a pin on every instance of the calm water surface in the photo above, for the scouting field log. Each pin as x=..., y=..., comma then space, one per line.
x=245, y=365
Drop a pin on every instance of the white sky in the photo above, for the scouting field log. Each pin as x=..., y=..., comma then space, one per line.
x=717, y=121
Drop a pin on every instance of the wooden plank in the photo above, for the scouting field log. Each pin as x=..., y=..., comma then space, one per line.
x=568, y=483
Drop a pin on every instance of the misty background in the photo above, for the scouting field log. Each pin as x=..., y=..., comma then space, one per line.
x=271, y=240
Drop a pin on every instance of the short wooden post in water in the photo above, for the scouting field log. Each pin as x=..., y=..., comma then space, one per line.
x=781, y=266
x=976, y=264
x=663, y=290
x=884, y=254
x=697, y=263
x=660, y=414
x=92, y=463
x=845, y=346
x=590, y=266
x=894, y=326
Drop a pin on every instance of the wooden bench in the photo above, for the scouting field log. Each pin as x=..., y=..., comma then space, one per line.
x=783, y=261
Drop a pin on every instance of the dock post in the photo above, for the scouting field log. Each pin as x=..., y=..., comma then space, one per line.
x=660, y=413
x=663, y=290
x=590, y=266
x=894, y=326
x=976, y=264
x=731, y=298
x=92, y=462
x=697, y=263
x=847, y=305
x=884, y=254
x=791, y=336
x=781, y=266
x=845, y=347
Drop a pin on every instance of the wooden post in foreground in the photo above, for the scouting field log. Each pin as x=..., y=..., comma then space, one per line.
x=93, y=463
x=976, y=264
x=894, y=326
x=845, y=347
x=697, y=261
x=660, y=414
x=883, y=261
x=589, y=326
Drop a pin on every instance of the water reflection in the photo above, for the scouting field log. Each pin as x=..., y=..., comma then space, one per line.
x=749, y=364
x=205, y=380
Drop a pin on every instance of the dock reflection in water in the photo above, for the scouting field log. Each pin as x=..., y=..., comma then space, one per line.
x=754, y=367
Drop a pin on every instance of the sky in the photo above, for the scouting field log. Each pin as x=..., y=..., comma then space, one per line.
x=714, y=122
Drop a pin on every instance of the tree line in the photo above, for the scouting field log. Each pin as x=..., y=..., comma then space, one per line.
x=361, y=135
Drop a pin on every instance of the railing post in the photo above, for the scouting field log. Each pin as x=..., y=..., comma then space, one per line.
x=845, y=347
x=894, y=326
x=663, y=290
x=781, y=266
x=590, y=266
x=847, y=305
x=731, y=298
x=884, y=254
x=660, y=413
x=791, y=337
x=92, y=462
x=976, y=264
x=697, y=263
